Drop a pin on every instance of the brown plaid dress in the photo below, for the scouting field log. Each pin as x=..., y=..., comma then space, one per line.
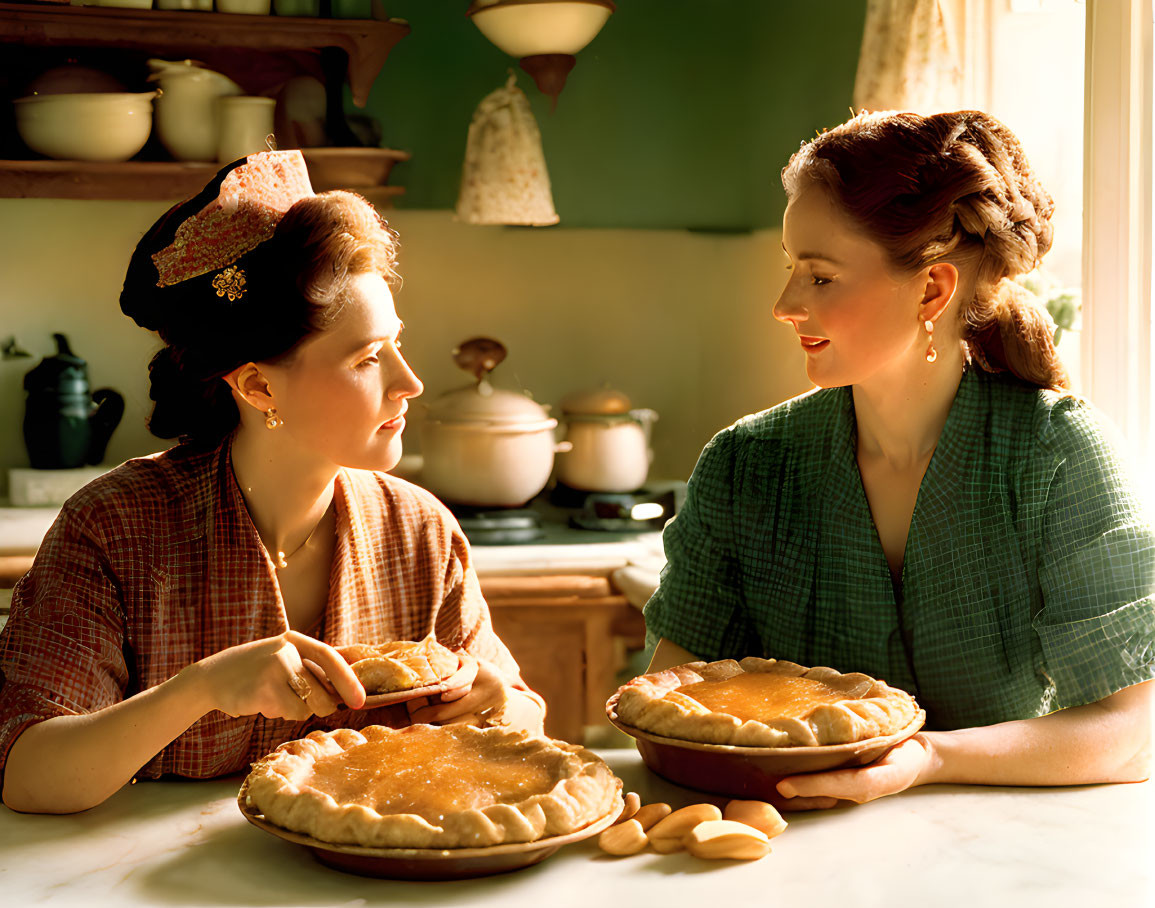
x=157, y=565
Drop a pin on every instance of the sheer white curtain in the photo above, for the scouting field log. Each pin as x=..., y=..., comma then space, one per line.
x=912, y=56
x=1119, y=334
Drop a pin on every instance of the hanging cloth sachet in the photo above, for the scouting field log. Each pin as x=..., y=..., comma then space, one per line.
x=504, y=179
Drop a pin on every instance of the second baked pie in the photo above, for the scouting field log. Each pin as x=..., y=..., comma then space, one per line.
x=384, y=668
x=426, y=786
x=764, y=703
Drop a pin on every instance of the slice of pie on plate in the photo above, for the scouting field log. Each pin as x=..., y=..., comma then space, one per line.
x=426, y=786
x=764, y=703
x=400, y=665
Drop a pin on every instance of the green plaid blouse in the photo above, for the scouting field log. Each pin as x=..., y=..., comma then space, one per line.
x=1029, y=576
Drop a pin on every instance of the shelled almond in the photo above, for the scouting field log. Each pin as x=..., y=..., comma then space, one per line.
x=649, y=814
x=726, y=839
x=741, y=832
x=623, y=838
x=759, y=814
x=666, y=835
x=630, y=807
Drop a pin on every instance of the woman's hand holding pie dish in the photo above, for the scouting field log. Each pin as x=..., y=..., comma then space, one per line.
x=900, y=768
x=489, y=700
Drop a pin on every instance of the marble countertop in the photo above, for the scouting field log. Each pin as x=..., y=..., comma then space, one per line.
x=563, y=549
x=569, y=551
x=186, y=844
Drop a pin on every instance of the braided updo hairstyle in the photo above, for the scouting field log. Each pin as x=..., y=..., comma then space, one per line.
x=929, y=187
x=294, y=287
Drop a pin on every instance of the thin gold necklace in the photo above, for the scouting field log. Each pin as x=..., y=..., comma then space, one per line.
x=283, y=559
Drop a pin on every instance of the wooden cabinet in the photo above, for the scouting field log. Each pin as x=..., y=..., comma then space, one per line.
x=569, y=634
x=256, y=51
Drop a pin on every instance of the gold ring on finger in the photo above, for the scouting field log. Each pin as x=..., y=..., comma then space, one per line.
x=300, y=686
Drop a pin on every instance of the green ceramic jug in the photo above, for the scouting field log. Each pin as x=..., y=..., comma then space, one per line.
x=64, y=425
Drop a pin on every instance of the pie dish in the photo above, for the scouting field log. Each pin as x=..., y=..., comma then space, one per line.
x=750, y=772
x=763, y=703
x=463, y=677
x=430, y=787
x=400, y=665
x=746, y=770
x=429, y=863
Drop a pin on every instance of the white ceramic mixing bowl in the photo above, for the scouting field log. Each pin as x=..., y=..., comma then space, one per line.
x=104, y=126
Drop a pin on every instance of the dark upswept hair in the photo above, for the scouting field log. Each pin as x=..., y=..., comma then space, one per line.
x=927, y=187
x=295, y=284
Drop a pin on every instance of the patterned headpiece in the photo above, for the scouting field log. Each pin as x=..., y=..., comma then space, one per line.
x=253, y=198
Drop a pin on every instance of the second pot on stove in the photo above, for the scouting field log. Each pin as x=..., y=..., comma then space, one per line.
x=610, y=442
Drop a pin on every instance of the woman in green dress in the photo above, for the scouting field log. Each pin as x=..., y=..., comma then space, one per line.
x=940, y=511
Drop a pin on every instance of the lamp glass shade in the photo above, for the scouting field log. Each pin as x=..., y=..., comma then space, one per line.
x=527, y=29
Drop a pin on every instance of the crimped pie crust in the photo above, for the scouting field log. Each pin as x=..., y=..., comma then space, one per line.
x=385, y=668
x=825, y=706
x=426, y=786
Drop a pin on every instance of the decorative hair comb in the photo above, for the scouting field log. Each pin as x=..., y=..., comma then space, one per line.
x=252, y=200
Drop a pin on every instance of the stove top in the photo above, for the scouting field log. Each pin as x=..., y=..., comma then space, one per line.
x=507, y=526
x=644, y=510
x=546, y=517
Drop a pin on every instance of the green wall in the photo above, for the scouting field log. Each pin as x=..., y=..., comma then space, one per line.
x=679, y=114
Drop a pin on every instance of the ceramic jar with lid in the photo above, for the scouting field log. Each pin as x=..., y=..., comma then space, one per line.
x=609, y=442
x=187, y=115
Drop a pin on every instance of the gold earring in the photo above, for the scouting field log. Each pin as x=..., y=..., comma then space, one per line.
x=272, y=420
x=931, y=352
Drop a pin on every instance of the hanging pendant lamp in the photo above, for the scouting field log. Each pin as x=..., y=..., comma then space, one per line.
x=543, y=34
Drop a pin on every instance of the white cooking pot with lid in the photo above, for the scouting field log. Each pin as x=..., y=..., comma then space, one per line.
x=483, y=446
x=610, y=442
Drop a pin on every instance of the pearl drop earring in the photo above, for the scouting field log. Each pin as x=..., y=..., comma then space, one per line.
x=931, y=352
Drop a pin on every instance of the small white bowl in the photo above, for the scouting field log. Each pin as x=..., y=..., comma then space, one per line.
x=108, y=126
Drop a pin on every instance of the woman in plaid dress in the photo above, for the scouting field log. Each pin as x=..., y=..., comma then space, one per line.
x=940, y=511
x=182, y=614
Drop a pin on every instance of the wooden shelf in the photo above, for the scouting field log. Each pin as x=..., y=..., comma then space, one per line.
x=367, y=42
x=137, y=180
x=355, y=49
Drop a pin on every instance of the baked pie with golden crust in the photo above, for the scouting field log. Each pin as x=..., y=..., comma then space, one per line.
x=384, y=668
x=427, y=786
x=764, y=703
